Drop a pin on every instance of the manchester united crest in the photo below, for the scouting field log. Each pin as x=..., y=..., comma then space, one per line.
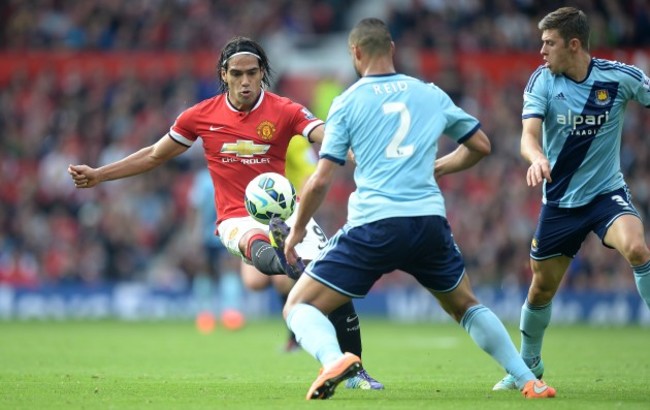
x=265, y=130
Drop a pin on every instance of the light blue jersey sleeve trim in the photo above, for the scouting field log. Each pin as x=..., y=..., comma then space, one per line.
x=526, y=116
x=469, y=134
x=333, y=159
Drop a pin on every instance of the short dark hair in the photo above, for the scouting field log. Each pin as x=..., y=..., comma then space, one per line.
x=243, y=45
x=372, y=36
x=569, y=22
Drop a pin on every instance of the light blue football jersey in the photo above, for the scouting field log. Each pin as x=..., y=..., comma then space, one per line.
x=202, y=199
x=393, y=123
x=582, y=126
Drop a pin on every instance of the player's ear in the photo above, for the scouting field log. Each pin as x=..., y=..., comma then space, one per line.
x=354, y=51
x=222, y=73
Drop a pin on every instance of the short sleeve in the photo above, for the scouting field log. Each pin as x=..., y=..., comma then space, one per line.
x=336, y=142
x=182, y=131
x=459, y=124
x=536, y=95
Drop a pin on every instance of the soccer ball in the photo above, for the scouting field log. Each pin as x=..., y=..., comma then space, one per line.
x=270, y=195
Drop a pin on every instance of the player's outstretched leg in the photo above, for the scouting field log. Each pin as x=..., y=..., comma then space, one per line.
x=344, y=319
x=325, y=384
x=278, y=232
x=489, y=334
x=533, y=323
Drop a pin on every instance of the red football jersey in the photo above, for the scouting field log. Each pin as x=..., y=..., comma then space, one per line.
x=239, y=145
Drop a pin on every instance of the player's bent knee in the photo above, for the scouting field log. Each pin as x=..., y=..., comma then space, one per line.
x=540, y=296
x=456, y=304
x=637, y=254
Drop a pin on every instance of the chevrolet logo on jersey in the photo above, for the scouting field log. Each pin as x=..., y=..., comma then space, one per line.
x=244, y=148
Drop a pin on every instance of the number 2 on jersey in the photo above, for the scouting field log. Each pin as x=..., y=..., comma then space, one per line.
x=394, y=150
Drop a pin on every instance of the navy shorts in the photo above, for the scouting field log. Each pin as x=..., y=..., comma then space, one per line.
x=355, y=258
x=561, y=231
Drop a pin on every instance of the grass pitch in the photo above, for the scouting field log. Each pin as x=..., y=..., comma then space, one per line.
x=169, y=365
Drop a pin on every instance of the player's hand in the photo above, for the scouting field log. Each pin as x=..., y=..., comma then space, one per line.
x=83, y=176
x=437, y=170
x=295, y=237
x=538, y=171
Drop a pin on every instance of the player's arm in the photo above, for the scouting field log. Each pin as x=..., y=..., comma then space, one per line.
x=465, y=156
x=317, y=134
x=137, y=163
x=313, y=195
x=531, y=151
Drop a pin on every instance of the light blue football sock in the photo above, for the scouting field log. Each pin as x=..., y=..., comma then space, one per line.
x=489, y=333
x=202, y=293
x=642, y=279
x=231, y=291
x=315, y=333
x=534, y=320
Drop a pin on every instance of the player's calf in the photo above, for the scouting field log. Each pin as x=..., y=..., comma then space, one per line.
x=264, y=256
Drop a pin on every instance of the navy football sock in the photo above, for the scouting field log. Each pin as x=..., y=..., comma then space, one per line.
x=264, y=258
x=348, y=330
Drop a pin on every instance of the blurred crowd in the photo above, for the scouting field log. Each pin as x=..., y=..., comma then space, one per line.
x=465, y=25
x=140, y=228
x=497, y=25
x=160, y=24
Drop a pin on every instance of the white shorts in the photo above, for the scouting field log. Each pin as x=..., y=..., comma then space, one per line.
x=231, y=231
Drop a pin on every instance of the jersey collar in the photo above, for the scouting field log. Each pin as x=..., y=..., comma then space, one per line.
x=257, y=104
x=589, y=68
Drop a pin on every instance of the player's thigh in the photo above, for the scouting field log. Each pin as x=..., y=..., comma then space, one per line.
x=626, y=235
x=547, y=277
x=457, y=301
x=310, y=291
x=618, y=224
